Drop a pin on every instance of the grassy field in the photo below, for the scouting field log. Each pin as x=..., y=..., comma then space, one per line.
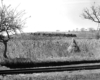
x=55, y=49
x=51, y=48
x=66, y=75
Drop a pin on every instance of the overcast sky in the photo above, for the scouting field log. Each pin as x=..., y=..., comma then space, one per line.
x=52, y=15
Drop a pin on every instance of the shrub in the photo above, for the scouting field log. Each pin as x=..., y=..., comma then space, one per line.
x=97, y=35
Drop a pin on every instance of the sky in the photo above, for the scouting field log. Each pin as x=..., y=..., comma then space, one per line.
x=54, y=15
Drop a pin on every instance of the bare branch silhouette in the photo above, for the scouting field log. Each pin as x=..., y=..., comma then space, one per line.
x=10, y=22
x=92, y=14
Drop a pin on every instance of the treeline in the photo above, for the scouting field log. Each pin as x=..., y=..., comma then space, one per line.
x=55, y=34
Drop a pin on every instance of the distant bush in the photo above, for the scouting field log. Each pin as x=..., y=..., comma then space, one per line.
x=97, y=35
x=55, y=34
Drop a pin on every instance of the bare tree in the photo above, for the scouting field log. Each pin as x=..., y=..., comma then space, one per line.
x=92, y=14
x=83, y=29
x=91, y=29
x=10, y=23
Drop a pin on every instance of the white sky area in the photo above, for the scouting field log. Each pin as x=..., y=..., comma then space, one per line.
x=52, y=15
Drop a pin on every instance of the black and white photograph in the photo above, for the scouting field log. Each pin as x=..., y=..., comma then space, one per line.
x=49, y=39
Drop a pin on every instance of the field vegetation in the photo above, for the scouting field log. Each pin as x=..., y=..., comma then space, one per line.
x=51, y=48
x=30, y=49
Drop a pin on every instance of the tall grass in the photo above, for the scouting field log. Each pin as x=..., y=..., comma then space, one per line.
x=52, y=49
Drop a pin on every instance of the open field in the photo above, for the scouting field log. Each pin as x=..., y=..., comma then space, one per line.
x=66, y=75
x=48, y=49
x=52, y=49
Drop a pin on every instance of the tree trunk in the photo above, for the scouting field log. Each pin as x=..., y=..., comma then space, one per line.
x=5, y=50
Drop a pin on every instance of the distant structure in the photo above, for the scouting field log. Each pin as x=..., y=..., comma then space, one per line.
x=73, y=47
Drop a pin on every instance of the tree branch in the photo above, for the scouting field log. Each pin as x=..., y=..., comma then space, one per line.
x=8, y=34
x=95, y=13
x=87, y=15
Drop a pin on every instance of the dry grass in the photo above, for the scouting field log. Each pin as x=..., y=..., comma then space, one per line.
x=55, y=49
